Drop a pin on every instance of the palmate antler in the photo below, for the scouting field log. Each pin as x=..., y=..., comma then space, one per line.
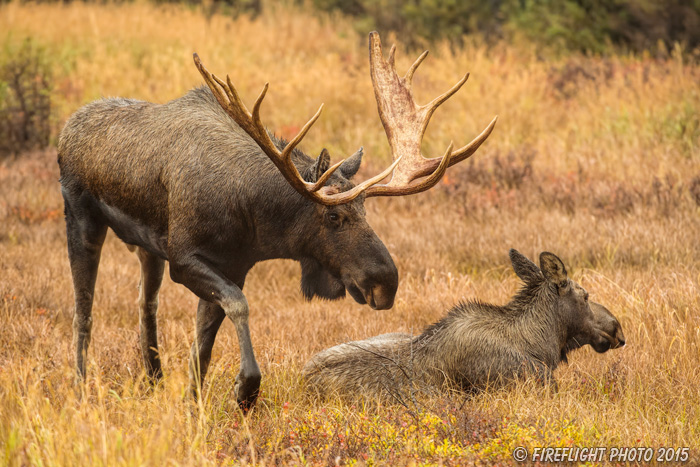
x=405, y=123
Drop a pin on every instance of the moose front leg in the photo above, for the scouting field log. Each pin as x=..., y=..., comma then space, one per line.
x=248, y=379
x=222, y=295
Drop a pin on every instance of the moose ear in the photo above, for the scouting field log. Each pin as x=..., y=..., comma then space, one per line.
x=352, y=164
x=553, y=268
x=525, y=269
x=319, y=167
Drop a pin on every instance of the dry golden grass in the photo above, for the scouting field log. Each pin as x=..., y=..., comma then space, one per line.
x=595, y=160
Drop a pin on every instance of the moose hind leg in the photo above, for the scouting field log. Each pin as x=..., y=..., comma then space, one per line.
x=151, y=278
x=85, y=231
x=209, y=319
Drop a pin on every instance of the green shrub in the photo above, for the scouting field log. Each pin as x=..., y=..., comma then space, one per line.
x=560, y=25
x=422, y=19
x=25, y=98
x=593, y=25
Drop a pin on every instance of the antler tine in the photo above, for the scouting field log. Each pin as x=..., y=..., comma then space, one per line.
x=371, y=183
x=405, y=123
x=459, y=154
x=232, y=95
x=305, y=129
x=286, y=153
x=439, y=100
x=229, y=99
x=258, y=103
x=414, y=188
x=325, y=176
x=209, y=79
x=408, y=77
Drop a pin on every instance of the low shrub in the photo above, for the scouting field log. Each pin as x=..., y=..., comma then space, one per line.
x=25, y=98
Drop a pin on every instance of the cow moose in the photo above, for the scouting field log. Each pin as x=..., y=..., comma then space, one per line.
x=476, y=345
x=201, y=183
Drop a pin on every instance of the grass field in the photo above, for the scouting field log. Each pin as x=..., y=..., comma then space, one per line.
x=595, y=159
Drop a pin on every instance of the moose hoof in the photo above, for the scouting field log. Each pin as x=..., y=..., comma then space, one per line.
x=154, y=376
x=246, y=390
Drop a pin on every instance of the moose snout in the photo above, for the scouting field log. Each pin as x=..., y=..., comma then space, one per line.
x=606, y=342
x=616, y=341
x=379, y=291
x=619, y=341
x=602, y=346
x=620, y=337
x=381, y=298
x=384, y=283
x=377, y=287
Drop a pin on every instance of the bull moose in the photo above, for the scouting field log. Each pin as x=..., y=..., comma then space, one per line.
x=476, y=344
x=201, y=183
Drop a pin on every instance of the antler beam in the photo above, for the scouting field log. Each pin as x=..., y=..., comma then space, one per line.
x=228, y=98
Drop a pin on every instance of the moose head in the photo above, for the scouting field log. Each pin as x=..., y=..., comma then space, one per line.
x=345, y=254
x=584, y=322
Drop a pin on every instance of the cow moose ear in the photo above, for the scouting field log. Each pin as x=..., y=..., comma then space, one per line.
x=323, y=161
x=553, y=268
x=525, y=269
x=352, y=164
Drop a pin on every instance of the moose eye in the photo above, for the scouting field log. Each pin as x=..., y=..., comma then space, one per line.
x=333, y=217
x=585, y=296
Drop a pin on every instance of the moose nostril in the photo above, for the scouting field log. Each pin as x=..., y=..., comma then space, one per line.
x=622, y=342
